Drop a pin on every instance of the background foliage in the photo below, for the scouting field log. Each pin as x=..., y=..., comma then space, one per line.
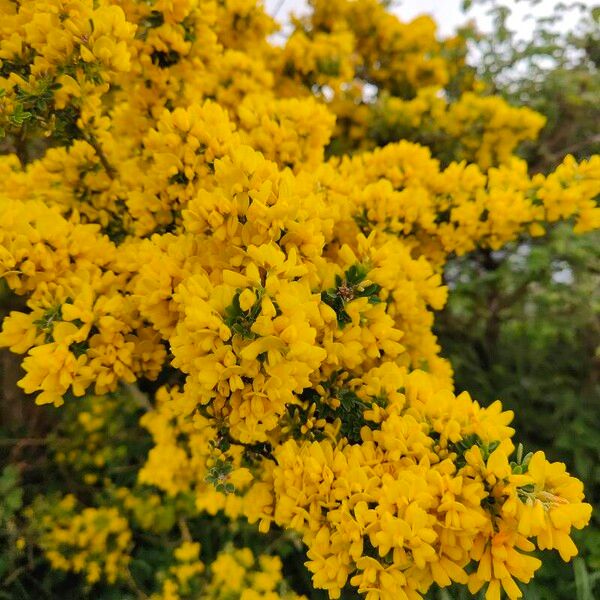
x=523, y=324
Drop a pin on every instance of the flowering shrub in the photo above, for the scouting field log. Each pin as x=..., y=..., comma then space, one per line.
x=219, y=221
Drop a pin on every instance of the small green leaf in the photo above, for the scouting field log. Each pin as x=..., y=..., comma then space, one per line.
x=583, y=586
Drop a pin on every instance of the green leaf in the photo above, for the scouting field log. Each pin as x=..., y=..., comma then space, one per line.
x=583, y=586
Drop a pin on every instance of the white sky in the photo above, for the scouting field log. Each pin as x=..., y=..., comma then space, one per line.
x=448, y=15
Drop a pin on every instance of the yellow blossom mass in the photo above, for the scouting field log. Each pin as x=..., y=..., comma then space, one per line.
x=242, y=228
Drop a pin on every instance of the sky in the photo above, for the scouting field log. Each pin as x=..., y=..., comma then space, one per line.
x=448, y=14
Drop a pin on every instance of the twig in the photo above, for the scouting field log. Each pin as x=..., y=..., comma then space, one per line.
x=278, y=7
x=23, y=441
x=13, y=576
x=139, y=396
x=577, y=146
x=134, y=586
x=21, y=147
x=93, y=142
x=185, y=530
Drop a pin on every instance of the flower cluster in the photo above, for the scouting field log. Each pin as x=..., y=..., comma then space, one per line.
x=481, y=129
x=92, y=541
x=185, y=223
x=79, y=441
x=431, y=487
x=81, y=330
x=239, y=574
x=179, y=583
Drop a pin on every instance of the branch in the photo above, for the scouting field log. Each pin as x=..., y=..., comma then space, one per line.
x=23, y=441
x=574, y=147
x=185, y=530
x=138, y=396
x=90, y=138
x=135, y=588
x=278, y=8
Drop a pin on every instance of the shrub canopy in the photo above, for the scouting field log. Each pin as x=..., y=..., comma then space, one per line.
x=249, y=239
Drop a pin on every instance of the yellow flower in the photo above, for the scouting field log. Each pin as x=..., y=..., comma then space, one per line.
x=225, y=213
x=548, y=504
x=500, y=563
